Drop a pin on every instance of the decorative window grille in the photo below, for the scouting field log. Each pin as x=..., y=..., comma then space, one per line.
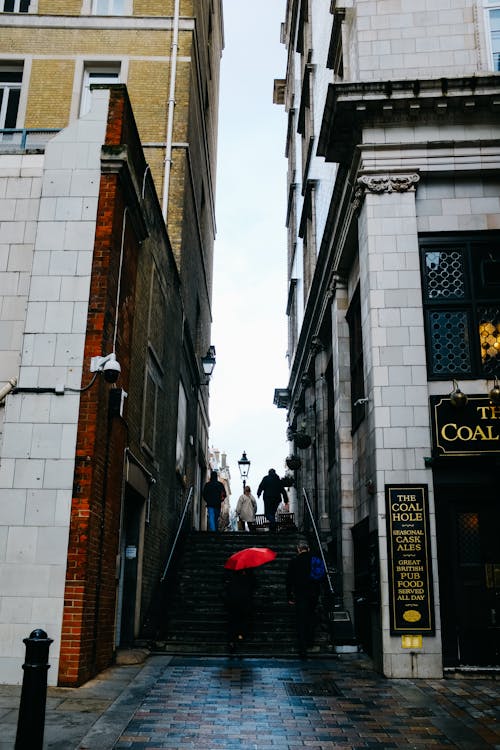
x=461, y=293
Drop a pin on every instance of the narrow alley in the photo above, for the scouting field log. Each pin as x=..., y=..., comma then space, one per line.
x=218, y=703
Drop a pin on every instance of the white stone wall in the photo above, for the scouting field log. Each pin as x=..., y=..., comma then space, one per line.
x=38, y=453
x=20, y=186
x=396, y=385
x=320, y=169
x=405, y=39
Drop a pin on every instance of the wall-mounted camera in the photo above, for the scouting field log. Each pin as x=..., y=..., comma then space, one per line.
x=108, y=365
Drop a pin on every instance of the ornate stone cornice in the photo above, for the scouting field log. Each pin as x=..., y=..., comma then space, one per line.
x=385, y=183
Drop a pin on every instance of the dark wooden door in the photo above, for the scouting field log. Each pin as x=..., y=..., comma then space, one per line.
x=469, y=572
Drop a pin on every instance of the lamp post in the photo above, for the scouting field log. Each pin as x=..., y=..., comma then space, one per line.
x=244, y=467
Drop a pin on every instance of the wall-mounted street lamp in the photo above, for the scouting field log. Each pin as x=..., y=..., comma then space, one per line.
x=494, y=394
x=208, y=364
x=244, y=467
x=458, y=398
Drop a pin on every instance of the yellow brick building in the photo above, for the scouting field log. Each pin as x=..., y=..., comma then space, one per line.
x=61, y=46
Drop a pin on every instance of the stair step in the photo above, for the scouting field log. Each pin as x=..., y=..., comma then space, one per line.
x=196, y=620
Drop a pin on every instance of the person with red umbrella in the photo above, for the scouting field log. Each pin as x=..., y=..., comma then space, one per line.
x=240, y=589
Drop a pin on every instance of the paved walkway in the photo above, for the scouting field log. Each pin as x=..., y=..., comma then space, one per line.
x=221, y=704
x=247, y=704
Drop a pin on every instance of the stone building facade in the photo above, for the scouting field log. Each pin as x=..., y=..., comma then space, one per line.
x=393, y=222
x=108, y=132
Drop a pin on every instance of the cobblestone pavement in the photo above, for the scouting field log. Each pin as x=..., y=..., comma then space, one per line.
x=242, y=704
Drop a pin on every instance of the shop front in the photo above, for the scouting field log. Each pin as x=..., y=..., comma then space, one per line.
x=466, y=466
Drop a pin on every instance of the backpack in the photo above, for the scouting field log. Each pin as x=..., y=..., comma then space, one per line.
x=317, y=568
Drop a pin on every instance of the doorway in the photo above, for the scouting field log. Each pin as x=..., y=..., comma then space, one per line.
x=130, y=554
x=468, y=533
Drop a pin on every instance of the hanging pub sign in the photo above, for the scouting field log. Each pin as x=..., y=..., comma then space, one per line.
x=470, y=430
x=411, y=600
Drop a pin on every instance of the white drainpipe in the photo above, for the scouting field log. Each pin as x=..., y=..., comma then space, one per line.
x=171, y=106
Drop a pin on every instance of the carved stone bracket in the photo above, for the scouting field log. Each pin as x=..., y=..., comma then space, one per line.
x=396, y=183
x=316, y=345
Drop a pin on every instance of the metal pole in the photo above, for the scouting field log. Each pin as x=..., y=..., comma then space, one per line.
x=330, y=586
x=31, y=720
x=177, y=535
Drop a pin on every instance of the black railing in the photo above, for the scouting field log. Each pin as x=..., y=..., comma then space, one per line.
x=318, y=541
x=22, y=139
x=178, y=533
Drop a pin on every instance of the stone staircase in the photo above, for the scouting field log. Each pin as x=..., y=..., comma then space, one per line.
x=194, y=619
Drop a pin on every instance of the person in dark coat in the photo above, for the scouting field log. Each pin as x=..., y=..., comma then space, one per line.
x=303, y=593
x=273, y=490
x=213, y=495
x=239, y=605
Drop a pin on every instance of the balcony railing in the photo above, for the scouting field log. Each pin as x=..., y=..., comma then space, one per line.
x=24, y=139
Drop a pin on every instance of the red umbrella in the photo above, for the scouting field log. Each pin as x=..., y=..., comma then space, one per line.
x=251, y=557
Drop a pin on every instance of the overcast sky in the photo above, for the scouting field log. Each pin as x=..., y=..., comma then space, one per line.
x=249, y=299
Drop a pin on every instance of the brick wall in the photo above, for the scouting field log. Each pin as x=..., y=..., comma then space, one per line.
x=60, y=7
x=49, y=100
x=87, y=640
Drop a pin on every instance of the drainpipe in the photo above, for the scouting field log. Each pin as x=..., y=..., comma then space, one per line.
x=7, y=388
x=171, y=106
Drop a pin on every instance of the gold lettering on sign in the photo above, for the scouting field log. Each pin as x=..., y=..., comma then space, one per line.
x=452, y=432
x=489, y=412
x=410, y=570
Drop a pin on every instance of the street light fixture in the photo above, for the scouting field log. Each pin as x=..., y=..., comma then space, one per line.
x=208, y=363
x=244, y=467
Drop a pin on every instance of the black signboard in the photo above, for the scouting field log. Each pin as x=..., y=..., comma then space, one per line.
x=411, y=600
x=470, y=430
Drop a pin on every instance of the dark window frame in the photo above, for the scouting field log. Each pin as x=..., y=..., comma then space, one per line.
x=465, y=307
x=9, y=6
x=356, y=361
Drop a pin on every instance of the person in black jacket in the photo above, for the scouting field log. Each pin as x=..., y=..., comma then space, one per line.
x=213, y=494
x=273, y=490
x=303, y=593
x=240, y=589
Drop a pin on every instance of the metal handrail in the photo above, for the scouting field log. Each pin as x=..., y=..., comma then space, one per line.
x=172, y=550
x=308, y=505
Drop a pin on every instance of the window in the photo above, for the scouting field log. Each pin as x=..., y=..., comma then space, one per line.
x=110, y=7
x=461, y=296
x=181, y=430
x=95, y=74
x=15, y=6
x=493, y=22
x=10, y=91
x=335, y=59
x=150, y=407
x=353, y=318
x=157, y=315
x=307, y=231
x=305, y=123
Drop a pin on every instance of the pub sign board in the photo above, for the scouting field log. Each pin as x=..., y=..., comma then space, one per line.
x=471, y=430
x=411, y=598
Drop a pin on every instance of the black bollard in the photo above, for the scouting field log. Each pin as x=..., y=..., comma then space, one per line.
x=31, y=720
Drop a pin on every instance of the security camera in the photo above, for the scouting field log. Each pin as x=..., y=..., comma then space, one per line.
x=109, y=366
x=111, y=371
